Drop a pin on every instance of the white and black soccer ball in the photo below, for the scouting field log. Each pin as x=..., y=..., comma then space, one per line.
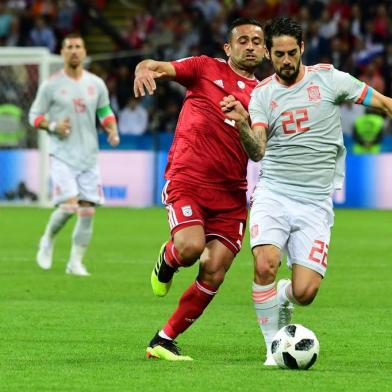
x=295, y=347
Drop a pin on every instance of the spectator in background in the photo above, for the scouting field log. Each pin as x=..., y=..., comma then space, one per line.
x=42, y=35
x=356, y=16
x=368, y=133
x=348, y=114
x=14, y=37
x=65, y=19
x=17, y=5
x=381, y=23
x=371, y=75
x=134, y=33
x=165, y=119
x=133, y=118
x=45, y=8
x=123, y=77
x=5, y=22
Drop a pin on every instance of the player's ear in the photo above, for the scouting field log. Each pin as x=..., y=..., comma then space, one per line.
x=227, y=49
x=302, y=48
x=267, y=54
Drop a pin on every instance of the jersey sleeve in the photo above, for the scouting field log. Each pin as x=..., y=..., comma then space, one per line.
x=257, y=110
x=103, y=94
x=348, y=88
x=189, y=69
x=104, y=111
x=40, y=106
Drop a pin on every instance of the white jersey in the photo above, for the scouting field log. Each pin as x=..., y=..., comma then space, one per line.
x=305, y=153
x=62, y=97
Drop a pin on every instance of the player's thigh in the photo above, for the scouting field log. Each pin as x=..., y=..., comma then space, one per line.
x=226, y=219
x=268, y=222
x=184, y=208
x=90, y=186
x=64, y=183
x=309, y=242
x=215, y=261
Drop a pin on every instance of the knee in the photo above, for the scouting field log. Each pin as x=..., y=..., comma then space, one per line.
x=190, y=250
x=266, y=268
x=213, y=278
x=305, y=295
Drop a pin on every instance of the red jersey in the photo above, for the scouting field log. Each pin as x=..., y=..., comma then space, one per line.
x=206, y=149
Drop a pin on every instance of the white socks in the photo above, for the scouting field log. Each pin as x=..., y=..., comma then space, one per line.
x=58, y=219
x=266, y=305
x=82, y=234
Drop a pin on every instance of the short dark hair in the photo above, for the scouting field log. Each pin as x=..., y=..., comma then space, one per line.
x=242, y=21
x=71, y=35
x=282, y=26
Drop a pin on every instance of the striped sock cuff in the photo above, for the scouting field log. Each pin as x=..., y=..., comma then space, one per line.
x=264, y=295
x=205, y=288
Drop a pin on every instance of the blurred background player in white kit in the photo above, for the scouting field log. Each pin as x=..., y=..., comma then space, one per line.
x=66, y=107
x=297, y=111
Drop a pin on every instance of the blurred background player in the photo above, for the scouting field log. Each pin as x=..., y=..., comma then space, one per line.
x=298, y=108
x=368, y=133
x=205, y=193
x=66, y=106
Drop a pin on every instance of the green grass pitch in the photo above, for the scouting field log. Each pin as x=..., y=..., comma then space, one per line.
x=64, y=333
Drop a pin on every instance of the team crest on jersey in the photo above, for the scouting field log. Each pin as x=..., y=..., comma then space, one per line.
x=219, y=82
x=314, y=93
x=254, y=231
x=187, y=210
x=241, y=84
x=79, y=105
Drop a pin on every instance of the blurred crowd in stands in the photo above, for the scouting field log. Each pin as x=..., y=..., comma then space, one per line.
x=354, y=35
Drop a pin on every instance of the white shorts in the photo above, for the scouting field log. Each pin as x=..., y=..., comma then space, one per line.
x=69, y=182
x=300, y=229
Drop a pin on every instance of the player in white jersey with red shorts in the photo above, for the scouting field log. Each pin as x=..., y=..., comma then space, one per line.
x=66, y=107
x=297, y=111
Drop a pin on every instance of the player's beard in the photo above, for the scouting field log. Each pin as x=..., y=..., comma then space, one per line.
x=291, y=77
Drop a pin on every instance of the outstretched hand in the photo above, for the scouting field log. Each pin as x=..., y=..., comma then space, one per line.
x=233, y=109
x=145, y=80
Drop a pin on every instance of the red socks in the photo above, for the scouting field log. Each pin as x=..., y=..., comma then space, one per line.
x=171, y=255
x=191, y=306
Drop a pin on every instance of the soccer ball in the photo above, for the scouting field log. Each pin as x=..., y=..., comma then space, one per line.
x=295, y=347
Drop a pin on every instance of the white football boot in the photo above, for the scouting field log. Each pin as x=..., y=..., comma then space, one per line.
x=285, y=309
x=77, y=269
x=269, y=360
x=45, y=253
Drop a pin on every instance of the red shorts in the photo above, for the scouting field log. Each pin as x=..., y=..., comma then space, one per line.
x=222, y=213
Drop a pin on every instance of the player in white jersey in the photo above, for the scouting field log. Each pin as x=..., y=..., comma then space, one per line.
x=297, y=111
x=66, y=107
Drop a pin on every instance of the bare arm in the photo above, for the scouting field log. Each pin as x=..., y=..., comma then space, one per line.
x=111, y=129
x=253, y=139
x=382, y=103
x=147, y=71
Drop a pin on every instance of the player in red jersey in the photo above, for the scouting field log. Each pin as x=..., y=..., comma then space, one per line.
x=205, y=192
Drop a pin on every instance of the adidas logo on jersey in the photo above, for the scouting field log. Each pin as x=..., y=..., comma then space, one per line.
x=273, y=105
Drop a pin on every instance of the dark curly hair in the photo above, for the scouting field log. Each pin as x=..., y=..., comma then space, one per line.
x=282, y=26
